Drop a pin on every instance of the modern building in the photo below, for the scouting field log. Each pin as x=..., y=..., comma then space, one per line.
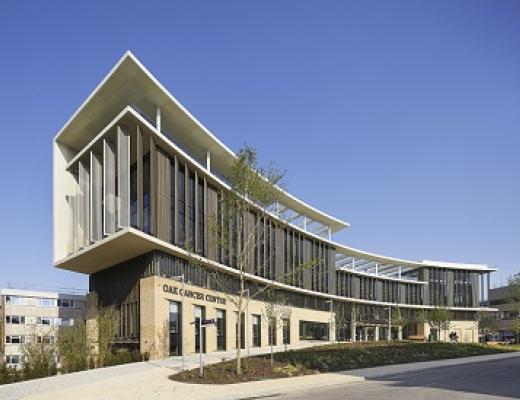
x=507, y=312
x=137, y=178
x=27, y=315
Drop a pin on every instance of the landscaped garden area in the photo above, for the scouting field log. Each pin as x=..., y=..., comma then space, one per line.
x=331, y=358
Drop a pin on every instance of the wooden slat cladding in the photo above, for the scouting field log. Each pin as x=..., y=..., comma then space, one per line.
x=139, y=178
x=163, y=196
x=169, y=198
x=109, y=188
x=96, y=197
x=211, y=222
x=84, y=205
x=123, y=177
x=153, y=187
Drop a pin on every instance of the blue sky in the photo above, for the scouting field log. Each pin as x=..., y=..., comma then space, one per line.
x=401, y=117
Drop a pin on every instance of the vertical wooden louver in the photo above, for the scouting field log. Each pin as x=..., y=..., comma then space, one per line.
x=96, y=197
x=109, y=188
x=140, y=172
x=84, y=206
x=153, y=198
x=163, y=197
x=123, y=178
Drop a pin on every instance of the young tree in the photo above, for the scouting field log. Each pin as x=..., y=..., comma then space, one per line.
x=39, y=353
x=513, y=296
x=73, y=351
x=106, y=329
x=237, y=230
x=341, y=318
x=439, y=318
x=274, y=314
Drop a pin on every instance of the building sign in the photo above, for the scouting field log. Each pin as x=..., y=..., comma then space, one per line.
x=192, y=294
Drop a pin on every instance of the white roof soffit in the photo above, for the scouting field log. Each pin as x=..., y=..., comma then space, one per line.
x=129, y=82
x=364, y=255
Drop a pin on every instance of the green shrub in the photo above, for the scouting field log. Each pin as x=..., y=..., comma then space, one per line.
x=349, y=356
x=123, y=356
x=9, y=375
x=72, y=348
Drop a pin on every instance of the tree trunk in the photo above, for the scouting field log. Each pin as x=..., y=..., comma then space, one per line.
x=239, y=336
x=272, y=348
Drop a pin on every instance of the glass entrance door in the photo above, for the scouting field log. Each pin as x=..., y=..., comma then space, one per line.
x=221, y=330
x=175, y=329
x=200, y=313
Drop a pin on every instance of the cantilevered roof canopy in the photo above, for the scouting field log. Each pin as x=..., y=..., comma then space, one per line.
x=130, y=83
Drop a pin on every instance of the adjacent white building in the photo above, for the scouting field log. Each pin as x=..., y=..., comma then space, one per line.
x=34, y=315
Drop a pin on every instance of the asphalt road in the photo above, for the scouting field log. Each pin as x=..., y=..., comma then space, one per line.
x=499, y=379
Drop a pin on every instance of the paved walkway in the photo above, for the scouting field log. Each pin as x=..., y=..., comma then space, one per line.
x=157, y=369
x=150, y=381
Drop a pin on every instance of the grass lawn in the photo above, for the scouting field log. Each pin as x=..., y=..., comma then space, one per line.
x=335, y=357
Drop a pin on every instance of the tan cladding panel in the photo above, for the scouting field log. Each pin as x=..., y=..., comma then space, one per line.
x=156, y=294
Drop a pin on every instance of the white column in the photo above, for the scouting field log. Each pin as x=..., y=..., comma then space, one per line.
x=353, y=332
x=488, y=287
x=208, y=161
x=304, y=223
x=158, y=118
x=400, y=333
x=376, y=333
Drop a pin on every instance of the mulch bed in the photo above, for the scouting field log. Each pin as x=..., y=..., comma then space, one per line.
x=253, y=369
x=332, y=358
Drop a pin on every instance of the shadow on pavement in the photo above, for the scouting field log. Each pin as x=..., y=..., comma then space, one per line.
x=494, y=378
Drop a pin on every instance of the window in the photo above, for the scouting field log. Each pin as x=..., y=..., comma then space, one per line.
x=79, y=304
x=175, y=329
x=45, y=339
x=191, y=211
x=13, y=359
x=64, y=303
x=15, y=319
x=286, y=327
x=272, y=331
x=256, y=330
x=15, y=300
x=15, y=339
x=310, y=330
x=146, y=194
x=172, y=199
x=47, y=303
x=200, y=313
x=65, y=322
x=200, y=206
x=44, y=321
x=221, y=329
x=181, y=206
x=133, y=195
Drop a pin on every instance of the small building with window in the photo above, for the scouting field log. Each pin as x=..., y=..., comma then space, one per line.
x=27, y=315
